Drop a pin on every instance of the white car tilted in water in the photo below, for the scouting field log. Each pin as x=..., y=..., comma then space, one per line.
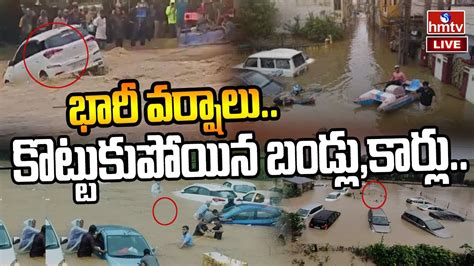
x=240, y=187
x=217, y=194
x=278, y=62
x=333, y=196
x=54, y=253
x=53, y=53
x=7, y=253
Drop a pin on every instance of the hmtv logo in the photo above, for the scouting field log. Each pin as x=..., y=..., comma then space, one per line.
x=446, y=22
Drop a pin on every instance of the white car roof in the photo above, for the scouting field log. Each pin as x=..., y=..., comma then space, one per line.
x=310, y=206
x=283, y=53
x=47, y=34
x=240, y=182
x=333, y=193
x=212, y=187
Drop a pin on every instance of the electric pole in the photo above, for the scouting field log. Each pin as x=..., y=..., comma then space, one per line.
x=404, y=33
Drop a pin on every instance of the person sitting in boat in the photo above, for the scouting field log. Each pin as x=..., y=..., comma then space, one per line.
x=398, y=77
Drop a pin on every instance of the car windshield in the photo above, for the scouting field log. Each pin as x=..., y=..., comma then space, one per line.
x=331, y=196
x=4, y=239
x=379, y=220
x=302, y=212
x=243, y=188
x=64, y=37
x=126, y=246
x=224, y=194
x=258, y=79
x=434, y=225
x=51, y=239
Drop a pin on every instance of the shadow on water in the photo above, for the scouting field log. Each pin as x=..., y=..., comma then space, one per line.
x=345, y=70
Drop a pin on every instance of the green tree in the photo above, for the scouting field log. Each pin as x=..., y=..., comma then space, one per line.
x=258, y=19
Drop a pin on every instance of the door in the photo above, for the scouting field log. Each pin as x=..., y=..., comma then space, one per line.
x=267, y=66
x=33, y=60
x=438, y=68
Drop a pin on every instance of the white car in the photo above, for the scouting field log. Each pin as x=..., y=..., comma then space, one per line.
x=54, y=253
x=278, y=62
x=307, y=212
x=343, y=191
x=7, y=253
x=266, y=197
x=333, y=196
x=53, y=53
x=417, y=201
x=240, y=187
x=218, y=194
x=429, y=207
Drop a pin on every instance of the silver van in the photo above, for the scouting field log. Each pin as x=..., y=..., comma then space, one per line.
x=378, y=221
x=426, y=223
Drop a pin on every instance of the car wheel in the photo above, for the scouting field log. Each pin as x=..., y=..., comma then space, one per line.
x=43, y=76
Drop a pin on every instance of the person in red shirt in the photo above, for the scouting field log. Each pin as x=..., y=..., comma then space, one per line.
x=398, y=77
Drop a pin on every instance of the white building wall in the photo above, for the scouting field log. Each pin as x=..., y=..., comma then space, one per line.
x=470, y=86
x=288, y=9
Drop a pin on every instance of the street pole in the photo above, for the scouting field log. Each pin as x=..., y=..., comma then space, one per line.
x=404, y=35
x=373, y=7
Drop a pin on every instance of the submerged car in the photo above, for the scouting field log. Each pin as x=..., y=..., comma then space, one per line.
x=217, y=194
x=269, y=86
x=251, y=214
x=261, y=197
x=429, y=207
x=343, y=191
x=123, y=245
x=278, y=62
x=417, y=200
x=333, y=196
x=447, y=215
x=426, y=223
x=324, y=219
x=53, y=53
x=378, y=221
x=7, y=253
x=240, y=187
x=309, y=210
x=54, y=253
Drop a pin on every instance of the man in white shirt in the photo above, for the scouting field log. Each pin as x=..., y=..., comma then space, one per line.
x=100, y=24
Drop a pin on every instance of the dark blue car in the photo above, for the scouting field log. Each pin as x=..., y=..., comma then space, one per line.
x=253, y=214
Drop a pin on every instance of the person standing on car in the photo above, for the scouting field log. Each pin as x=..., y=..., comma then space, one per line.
x=148, y=259
x=88, y=245
x=100, y=24
x=26, y=24
x=118, y=23
x=38, y=248
x=427, y=96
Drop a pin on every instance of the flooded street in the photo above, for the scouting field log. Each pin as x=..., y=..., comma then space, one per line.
x=352, y=227
x=346, y=69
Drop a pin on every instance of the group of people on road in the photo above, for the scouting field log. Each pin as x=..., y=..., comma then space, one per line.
x=427, y=95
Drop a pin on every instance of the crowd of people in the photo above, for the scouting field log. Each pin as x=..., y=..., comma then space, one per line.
x=148, y=19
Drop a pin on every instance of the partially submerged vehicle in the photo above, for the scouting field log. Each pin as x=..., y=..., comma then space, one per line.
x=7, y=253
x=333, y=196
x=261, y=197
x=269, y=86
x=309, y=210
x=324, y=219
x=123, y=245
x=251, y=214
x=447, y=215
x=394, y=96
x=52, y=53
x=278, y=62
x=426, y=223
x=240, y=187
x=54, y=252
x=217, y=194
x=378, y=221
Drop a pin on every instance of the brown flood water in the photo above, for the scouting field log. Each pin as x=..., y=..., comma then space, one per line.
x=345, y=70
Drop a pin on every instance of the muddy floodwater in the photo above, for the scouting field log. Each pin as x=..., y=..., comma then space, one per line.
x=346, y=69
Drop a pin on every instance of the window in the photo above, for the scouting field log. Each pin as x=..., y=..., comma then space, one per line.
x=4, y=239
x=204, y=191
x=251, y=62
x=283, y=63
x=337, y=4
x=245, y=215
x=19, y=55
x=316, y=209
x=298, y=60
x=244, y=188
x=32, y=49
x=191, y=190
x=65, y=37
x=50, y=238
x=265, y=214
x=248, y=197
x=127, y=246
x=268, y=63
x=224, y=194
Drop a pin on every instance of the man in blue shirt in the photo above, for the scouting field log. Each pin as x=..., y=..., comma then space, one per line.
x=187, y=238
x=202, y=210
